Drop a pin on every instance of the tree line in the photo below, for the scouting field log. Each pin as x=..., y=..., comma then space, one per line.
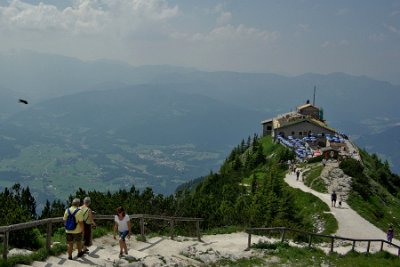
x=248, y=191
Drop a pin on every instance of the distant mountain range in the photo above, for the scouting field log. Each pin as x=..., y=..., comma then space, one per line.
x=107, y=124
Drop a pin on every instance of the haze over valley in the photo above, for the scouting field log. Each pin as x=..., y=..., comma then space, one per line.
x=113, y=131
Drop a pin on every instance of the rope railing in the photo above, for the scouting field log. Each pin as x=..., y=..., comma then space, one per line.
x=284, y=231
x=5, y=230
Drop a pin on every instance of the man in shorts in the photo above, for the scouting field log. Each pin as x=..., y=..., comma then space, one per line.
x=76, y=234
x=333, y=198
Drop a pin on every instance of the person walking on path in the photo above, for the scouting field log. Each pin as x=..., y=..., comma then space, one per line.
x=333, y=198
x=390, y=234
x=74, y=214
x=297, y=175
x=88, y=223
x=350, y=223
x=123, y=226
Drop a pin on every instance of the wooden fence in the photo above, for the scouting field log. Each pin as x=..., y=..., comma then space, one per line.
x=5, y=230
x=332, y=238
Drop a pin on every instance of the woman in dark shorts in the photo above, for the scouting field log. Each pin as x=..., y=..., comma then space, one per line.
x=88, y=222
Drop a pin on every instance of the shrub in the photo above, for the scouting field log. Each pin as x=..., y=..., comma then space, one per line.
x=360, y=183
x=30, y=239
x=99, y=232
x=315, y=159
x=351, y=167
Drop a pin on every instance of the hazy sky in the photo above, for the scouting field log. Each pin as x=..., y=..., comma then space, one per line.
x=286, y=37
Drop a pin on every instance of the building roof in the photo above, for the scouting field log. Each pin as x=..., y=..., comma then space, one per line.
x=267, y=120
x=310, y=120
x=306, y=106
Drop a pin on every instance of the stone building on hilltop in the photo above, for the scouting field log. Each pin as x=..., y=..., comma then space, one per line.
x=307, y=134
x=305, y=121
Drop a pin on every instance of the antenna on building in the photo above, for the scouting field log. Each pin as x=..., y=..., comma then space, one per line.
x=315, y=88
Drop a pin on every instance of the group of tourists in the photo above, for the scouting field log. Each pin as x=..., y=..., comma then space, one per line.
x=79, y=221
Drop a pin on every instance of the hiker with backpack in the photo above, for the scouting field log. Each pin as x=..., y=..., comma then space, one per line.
x=88, y=223
x=73, y=222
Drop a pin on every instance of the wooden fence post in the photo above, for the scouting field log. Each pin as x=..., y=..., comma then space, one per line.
x=5, y=244
x=381, y=246
x=354, y=244
x=171, y=229
x=249, y=242
x=309, y=240
x=283, y=235
x=198, y=230
x=2, y=238
x=368, y=246
x=332, y=241
x=142, y=229
x=48, y=235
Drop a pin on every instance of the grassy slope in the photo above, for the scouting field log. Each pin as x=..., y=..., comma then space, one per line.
x=308, y=205
x=312, y=178
x=381, y=208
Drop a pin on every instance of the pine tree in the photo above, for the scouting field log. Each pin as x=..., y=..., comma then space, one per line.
x=253, y=184
x=259, y=157
x=28, y=202
x=248, y=144
x=46, y=212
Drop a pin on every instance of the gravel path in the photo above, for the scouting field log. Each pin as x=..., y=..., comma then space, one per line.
x=350, y=223
x=162, y=251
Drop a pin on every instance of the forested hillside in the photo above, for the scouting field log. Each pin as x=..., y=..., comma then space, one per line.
x=248, y=190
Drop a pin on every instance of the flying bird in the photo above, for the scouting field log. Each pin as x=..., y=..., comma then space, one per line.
x=23, y=101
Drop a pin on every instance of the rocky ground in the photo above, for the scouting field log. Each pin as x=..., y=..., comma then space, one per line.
x=336, y=180
x=162, y=251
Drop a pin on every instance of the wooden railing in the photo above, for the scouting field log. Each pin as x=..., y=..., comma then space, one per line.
x=332, y=238
x=5, y=230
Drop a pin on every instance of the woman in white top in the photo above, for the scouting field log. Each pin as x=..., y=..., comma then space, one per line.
x=123, y=225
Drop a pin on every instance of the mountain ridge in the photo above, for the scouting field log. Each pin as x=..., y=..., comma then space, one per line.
x=242, y=99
